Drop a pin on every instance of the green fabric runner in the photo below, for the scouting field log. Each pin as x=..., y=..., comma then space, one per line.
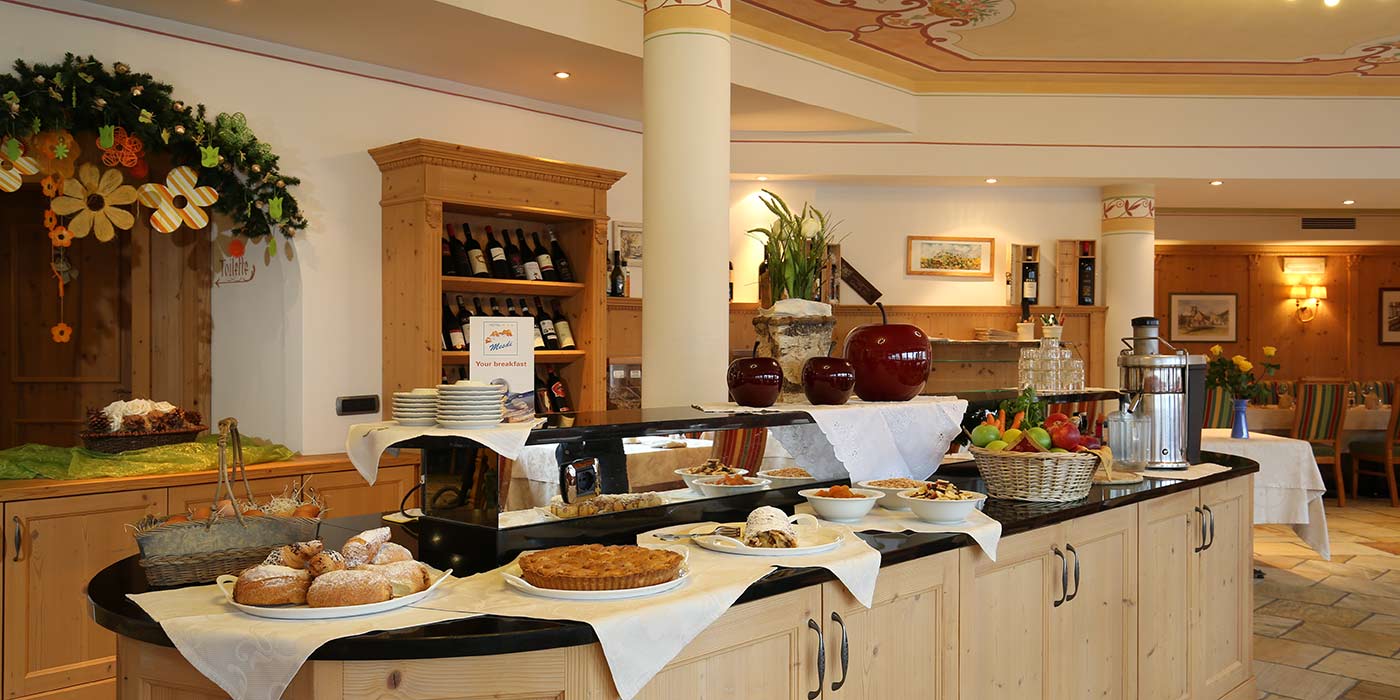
x=46, y=462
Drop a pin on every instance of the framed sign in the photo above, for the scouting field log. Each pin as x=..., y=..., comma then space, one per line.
x=1390, y=316
x=950, y=256
x=1204, y=318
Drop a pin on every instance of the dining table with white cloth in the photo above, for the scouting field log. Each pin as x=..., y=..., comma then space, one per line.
x=1288, y=488
x=1359, y=419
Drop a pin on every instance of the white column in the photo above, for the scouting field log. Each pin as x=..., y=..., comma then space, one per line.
x=1128, y=232
x=685, y=201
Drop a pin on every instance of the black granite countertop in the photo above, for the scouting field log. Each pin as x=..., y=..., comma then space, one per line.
x=489, y=634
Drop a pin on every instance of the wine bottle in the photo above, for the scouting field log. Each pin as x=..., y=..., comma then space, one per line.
x=449, y=266
x=495, y=307
x=476, y=258
x=510, y=307
x=561, y=326
x=513, y=256
x=561, y=261
x=542, y=402
x=558, y=394
x=451, y=330
x=476, y=301
x=547, y=271
x=546, y=326
x=496, y=254
x=531, y=265
x=626, y=280
x=539, y=334
x=731, y=280
x=765, y=290
x=1030, y=284
x=616, y=281
x=464, y=319
x=460, y=261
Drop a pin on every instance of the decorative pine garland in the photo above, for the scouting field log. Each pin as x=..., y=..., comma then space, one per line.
x=81, y=94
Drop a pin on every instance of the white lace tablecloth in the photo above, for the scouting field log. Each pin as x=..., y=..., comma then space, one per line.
x=253, y=658
x=640, y=636
x=982, y=528
x=1288, y=488
x=868, y=440
x=367, y=442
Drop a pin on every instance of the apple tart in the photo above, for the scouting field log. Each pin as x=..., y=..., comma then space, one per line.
x=596, y=567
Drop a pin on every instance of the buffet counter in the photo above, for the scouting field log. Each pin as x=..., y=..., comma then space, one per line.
x=1162, y=561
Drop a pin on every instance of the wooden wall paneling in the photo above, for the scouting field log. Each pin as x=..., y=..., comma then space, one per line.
x=141, y=272
x=179, y=316
x=1193, y=272
x=412, y=294
x=1371, y=359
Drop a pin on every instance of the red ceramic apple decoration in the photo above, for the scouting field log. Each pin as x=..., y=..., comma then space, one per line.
x=891, y=360
x=828, y=380
x=755, y=381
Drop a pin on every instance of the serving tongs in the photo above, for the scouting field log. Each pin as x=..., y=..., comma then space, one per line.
x=721, y=531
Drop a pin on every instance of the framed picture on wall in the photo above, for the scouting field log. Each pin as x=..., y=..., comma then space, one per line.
x=1203, y=318
x=1390, y=316
x=950, y=256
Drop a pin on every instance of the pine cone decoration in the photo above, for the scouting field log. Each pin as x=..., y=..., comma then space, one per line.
x=134, y=424
x=193, y=418
x=97, y=421
x=171, y=420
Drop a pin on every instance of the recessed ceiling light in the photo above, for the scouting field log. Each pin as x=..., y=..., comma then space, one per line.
x=1348, y=201
x=1216, y=183
x=1331, y=3
x=763, y=178
x=563, y=75
x=991, y=181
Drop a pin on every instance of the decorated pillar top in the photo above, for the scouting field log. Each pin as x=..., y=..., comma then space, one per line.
x=663, y=17
x=1129, y=209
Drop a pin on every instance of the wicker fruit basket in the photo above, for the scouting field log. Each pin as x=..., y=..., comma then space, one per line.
x=112, y=443
x=1042, y=477
x=201, y=549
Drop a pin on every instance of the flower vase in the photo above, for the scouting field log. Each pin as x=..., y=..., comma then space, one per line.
x=1239, y=427
x=792, y=332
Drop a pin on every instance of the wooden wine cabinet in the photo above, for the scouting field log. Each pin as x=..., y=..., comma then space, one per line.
x=427, y=183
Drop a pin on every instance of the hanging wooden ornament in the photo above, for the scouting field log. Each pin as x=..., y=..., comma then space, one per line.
x=96, y=203
x=126, y=150
x=178, y=201
x=56, y=150
x=12, y=171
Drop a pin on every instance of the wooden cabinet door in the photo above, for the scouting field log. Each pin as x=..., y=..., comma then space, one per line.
x=50, y=641
x=184, y=498
x=1222, y=648
x=1168, y=534
x=1100, y=615
x=763, y=650
x=1006, y=636
x=346, y=493
x=906, y=645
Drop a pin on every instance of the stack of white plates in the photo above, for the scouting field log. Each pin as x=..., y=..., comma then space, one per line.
x=470, y=405
x=417, y=407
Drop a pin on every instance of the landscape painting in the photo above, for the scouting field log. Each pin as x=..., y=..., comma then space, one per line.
x=1390, y=316
x=1204, y=318
x=950, y=256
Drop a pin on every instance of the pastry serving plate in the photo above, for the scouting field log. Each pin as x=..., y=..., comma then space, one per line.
x=812, y=538
x=514, y=580
x=303, y=612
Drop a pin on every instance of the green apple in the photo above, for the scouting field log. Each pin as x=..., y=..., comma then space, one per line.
x=1058, y=449
x=1012, y=437
x=1041, y=436
x=984, y=434
x=996, y=445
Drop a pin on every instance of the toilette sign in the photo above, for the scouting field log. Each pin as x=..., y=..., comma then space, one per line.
x=503, y=352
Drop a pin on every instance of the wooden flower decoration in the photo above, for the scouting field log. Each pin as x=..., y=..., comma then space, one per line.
x=13, y=170
x=61, y=332
x=50, y=219
x=126, y=150
x=52, y=185
x=178, y=201
x=60, y=237
x=96, y=203
x=57, y=152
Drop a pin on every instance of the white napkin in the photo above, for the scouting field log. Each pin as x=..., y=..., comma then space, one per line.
x=1194, y=471
x=869, y=440
x=367, y=442
x=640, y=636
x=254, y=658
x=982, y=528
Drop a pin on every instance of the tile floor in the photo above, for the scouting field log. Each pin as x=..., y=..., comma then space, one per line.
x=1326, y=630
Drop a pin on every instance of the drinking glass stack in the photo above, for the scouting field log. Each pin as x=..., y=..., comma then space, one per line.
x=417, y=407
x=470, y=404
x=1051, y=367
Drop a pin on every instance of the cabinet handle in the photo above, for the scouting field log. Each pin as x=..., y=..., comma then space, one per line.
x=19, y=538
x=1064, y=576
x=821, y=659
x=1202, y=515
x=1070, y=548
x=1211, y=542
x=845, y=652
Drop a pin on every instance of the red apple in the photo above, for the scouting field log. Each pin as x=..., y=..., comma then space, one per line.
x=755, y=381
x=891, y=360
x=1065, y=436
x=828, y=380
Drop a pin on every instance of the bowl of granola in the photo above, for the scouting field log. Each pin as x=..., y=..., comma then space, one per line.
x=787, y=476
x=891, y=488
x=941, y=502
x=730, y=484
x=710, y=467
x=841, y=503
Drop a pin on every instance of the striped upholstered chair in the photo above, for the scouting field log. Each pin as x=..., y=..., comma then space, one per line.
x=1273, y=389
x=1384, y=453
x=742, y=448
x=1322, y=407
x=1218, y=409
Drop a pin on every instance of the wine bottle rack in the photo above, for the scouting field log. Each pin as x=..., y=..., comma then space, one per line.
x=426, y=183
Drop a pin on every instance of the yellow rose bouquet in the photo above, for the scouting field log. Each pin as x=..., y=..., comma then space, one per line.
x=1234, y=374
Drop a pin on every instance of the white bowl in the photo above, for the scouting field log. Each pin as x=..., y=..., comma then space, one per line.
x=785, y=481
x=709, y=488
x=942, y=512
x=842, y=510
x=690, y=479
x=892, y=501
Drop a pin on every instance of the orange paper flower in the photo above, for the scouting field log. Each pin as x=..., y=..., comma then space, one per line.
x=50, y=219
x=57, y=151
x=52, y=184
x=61, y=237
x=61, y=333
x=125, y=151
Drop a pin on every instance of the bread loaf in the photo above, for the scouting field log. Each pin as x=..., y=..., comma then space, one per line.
x=295, y=555
x=348, y=587
x=405, y=577
x=271, y=584
x=360, y=549
x=391, y=552
x=325, y=562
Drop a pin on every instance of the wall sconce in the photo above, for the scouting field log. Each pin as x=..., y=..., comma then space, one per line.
x=1307, y=300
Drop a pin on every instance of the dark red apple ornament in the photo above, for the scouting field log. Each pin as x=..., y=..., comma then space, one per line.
x=827, y=381
x=755, y=381
x=891, y=360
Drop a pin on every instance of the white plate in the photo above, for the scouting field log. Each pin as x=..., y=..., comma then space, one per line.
x=469, y=424
x=452, y=389
x=415, y=414
x=512, y=576
x=812, y=538
x=416, y=422
x=416, y=394
x=470, y=402
x=302, y=612
x=473, y=417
